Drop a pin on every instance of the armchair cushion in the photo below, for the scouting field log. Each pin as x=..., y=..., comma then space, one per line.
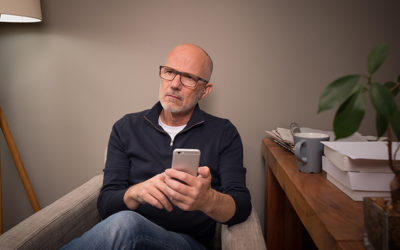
x=58, y=223
x=246, y=235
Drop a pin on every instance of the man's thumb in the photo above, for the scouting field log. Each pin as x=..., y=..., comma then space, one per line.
x=203, y=171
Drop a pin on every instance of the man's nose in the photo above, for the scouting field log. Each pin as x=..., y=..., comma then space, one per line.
x=176, y=82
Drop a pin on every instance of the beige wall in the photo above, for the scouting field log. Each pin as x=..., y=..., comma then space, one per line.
x=64, y=82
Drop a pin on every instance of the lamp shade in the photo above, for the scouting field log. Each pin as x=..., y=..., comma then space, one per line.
x=20, y=11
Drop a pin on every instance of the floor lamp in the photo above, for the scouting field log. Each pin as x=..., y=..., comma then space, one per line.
x=18, y=11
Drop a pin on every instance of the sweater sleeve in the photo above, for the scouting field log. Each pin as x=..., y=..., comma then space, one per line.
x=233, y=174
x=116, y=174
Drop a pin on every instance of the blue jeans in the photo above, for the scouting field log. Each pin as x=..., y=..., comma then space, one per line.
x=130, y=230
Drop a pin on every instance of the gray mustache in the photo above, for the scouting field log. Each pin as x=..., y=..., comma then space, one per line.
x=175, y=94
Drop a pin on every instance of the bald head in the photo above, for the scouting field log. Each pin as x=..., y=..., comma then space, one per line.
x=191, y=56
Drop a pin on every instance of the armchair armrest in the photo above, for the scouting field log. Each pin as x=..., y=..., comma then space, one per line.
x=60, y=222
x=245, y=235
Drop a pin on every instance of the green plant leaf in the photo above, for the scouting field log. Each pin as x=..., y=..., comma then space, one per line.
x=382, y=100
x=390, y=86
x=376, y=57
x=338, y=92
x=381, y=124
x=349, y=116
x=395, y=123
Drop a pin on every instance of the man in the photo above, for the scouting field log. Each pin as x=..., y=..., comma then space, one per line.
x=147, y=204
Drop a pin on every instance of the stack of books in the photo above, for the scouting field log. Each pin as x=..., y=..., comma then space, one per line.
x=359, y=169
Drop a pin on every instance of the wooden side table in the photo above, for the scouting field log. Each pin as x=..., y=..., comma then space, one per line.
x=296, y=200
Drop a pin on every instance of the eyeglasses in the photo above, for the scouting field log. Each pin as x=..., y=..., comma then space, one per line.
x=187, y=80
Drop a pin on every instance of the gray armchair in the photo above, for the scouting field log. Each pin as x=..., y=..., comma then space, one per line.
x=76, y=212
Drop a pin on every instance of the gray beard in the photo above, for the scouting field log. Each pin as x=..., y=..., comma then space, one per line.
x=179, y=110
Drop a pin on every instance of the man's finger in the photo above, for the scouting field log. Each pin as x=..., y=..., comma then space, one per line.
x=156, y=198
x=204, y=172
x=179, y=175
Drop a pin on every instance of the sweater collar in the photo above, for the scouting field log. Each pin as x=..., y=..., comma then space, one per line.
x=196, y=118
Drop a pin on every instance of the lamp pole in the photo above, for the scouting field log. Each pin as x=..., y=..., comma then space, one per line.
x=18, y=162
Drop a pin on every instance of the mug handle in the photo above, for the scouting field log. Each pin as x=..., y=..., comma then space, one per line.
x=297, y=149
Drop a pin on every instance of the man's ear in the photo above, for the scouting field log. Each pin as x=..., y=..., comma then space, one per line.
x=207, y=90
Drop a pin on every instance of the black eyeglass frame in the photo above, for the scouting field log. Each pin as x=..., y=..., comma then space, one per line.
x=196, y=78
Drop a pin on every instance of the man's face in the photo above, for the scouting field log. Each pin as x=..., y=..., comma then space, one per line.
x=175, y=97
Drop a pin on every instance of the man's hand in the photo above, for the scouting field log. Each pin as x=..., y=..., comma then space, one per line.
x=195, y=193
x=151, y=191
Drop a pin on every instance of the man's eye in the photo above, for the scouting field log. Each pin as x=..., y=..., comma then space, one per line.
x=189, y=77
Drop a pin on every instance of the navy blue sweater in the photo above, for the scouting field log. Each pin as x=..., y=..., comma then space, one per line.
x=139, y=148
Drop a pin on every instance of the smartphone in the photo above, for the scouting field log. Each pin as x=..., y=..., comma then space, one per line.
x=186, y=160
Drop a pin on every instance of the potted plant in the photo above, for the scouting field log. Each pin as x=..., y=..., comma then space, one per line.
x=381, y=217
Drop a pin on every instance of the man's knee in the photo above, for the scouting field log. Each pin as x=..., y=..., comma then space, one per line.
x=126, y=220
x=129, y=228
